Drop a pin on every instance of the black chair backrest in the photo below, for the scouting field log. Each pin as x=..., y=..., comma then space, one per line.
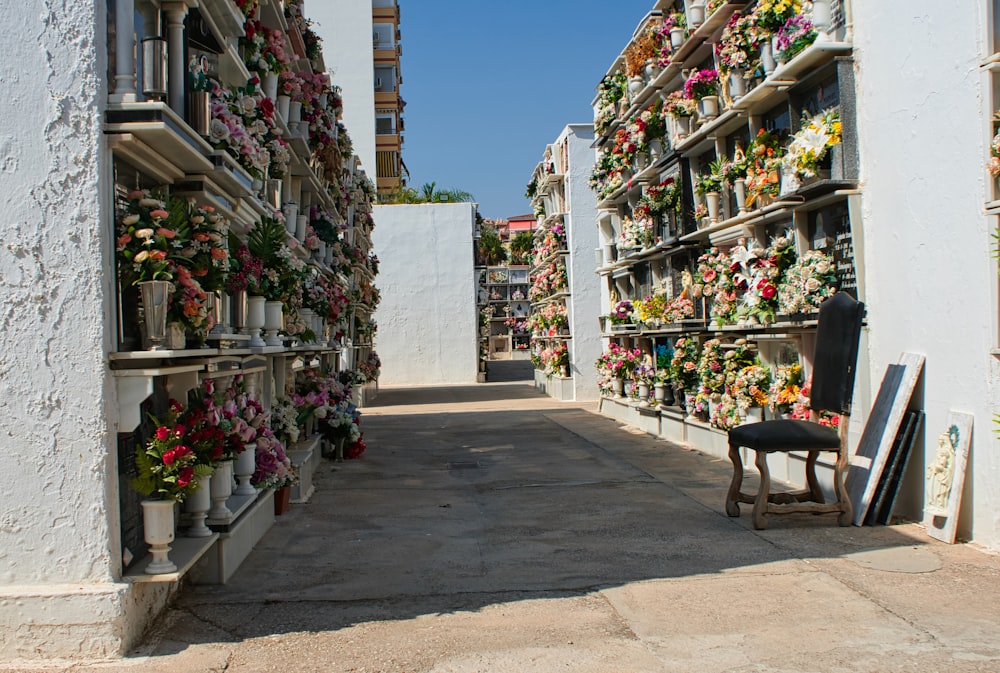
x=836, y=356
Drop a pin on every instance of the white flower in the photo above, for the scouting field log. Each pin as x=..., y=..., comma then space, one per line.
x=129, y=220
x=218, y=131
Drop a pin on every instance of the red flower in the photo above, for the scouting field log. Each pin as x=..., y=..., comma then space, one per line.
x=163, y=433
x=169, y=457
x=175, y=406
x=181, y=452
x=185, y=477
x=768, y=291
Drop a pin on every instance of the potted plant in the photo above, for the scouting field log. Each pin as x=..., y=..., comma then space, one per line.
x=168, y=471
x=684, y=369
x=702, y=86
x=679, y=108
x=709, y=185
x=676, y=26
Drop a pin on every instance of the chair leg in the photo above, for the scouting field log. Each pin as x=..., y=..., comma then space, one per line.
x=760, y=504
x=846, y=516
x=815, y=492
x=733, y=496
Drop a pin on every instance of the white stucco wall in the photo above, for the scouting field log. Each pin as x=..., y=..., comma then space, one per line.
x=59, y=551
x=427, y=320
x=582, y=239
x=923, y=122
x=345, y=26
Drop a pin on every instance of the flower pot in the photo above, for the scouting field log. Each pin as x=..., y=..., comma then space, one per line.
x=680, y=397
x=273, y=322
x=822, y=19
x=281, y=499
x=737, y=84
x=274, y=192
x=651, y=71
x=155, y=295
x=158, y=531
x=283, y=103
x=269, y=85
x=635, y=85
x=197, y=504
x=255, y=320
x=655, y=150
x=696, y=13
x=714, y=202
x=740, y=189
x=244, y=467
x=643, y=393
x=618, y=386
x=755, y=415
x=779, y=56
x=301, y=222
x=175, y=339
x=220, y=488
x=291, y=211
x=767, y=57
x=677, y=37
x=708, y=107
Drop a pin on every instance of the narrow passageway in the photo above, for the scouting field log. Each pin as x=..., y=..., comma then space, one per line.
x=490, y=528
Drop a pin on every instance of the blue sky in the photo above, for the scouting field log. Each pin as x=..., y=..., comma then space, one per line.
x=487, y=85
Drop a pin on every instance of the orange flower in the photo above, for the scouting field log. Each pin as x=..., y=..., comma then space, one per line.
x=219, y=253
x=166, y=233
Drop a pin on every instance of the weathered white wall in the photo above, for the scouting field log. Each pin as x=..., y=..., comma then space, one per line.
x=427, y=320
x=345, y=26
x=582, y=239
x=931, y=284
x=59, y=555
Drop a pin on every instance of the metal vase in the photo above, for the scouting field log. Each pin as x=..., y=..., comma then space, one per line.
x=155, y=296
x=200, y=112
x=154, y=67
x=238, y=310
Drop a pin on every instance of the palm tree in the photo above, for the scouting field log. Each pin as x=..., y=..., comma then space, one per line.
x=491, y=250
x=521, y=246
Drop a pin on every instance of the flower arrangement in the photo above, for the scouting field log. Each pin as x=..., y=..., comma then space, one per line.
x=763, y=161
x=643, y=48
x=751, y=387
x=621, y=313
x=678, y=309
x=709, y=182
x=611, y=90
x=678, y=105
x=786, y=385
x=714, y=281
x=553, y=359
x=283, y=273
x=711, y=374
x=795, y=35
x=617, y=362
x=702, y=83
x=168, y=468
x=756, y=274
x=146, y=235
x=738, y=49
x=809, y=146
x=993, y=164
x=772, y=14
x=284, y=420
x=725, y=414
x=649, y=310
x=663, y=197
x=803, y=412
x=273, y=467
x=684, y=363
x=371, y=367
x=807, y=283
x=634, y=234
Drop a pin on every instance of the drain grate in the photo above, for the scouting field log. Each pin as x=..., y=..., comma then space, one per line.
x=467, y=465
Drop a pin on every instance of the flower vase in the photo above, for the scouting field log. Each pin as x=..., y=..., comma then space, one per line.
x=635, y=85
x=255, y=321
x=295, y=117
x=269, y=85
x=618, y=386
x=651, y=71
x=696, y=13
x=282, y=497
x=714, y=202
x=737, y=84
x=307, y=315
x=273, y=322
x=283, y=103
x=291, y=211
x=822, y=19
x=767, y=57
x=676, y=37
x=274, y=192
x=200, y=112
x=158, y=531
x=755, y=415
x=689, y=406
x=779, y=56
x=220, y=488
x=197, y=504
x=740, y=189
x=659, y=393
x=679, y=397
x=238, y=311
x=655, y=150
x=301, y=222
x=244, y=467
x=708, y=107
x=155, y=296
x=643, y=394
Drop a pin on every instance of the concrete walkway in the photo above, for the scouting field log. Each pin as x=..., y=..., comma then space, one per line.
x=491, y=529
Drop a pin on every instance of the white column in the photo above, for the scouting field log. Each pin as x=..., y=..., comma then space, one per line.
x=175, y=12
x=124, y=52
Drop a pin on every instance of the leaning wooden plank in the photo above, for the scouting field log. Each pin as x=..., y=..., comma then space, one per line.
x=946, y=478
x=898, y=468
x=895, y=453
x=873, y=450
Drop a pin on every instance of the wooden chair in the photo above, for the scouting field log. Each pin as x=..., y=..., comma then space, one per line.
x=837, y=337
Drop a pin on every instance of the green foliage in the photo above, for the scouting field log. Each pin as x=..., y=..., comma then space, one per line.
x=521, y=246
x=491, y=250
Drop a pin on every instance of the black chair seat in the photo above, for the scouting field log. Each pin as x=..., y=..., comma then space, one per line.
x=785, y=435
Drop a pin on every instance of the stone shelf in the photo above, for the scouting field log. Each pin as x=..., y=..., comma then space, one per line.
x=184, y=552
